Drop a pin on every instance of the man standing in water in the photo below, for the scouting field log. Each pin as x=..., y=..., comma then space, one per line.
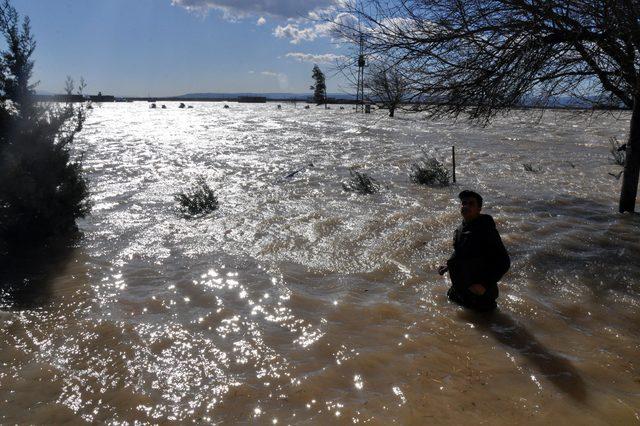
x=479, y=258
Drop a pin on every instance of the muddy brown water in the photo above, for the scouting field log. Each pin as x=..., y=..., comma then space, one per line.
x=297, y=303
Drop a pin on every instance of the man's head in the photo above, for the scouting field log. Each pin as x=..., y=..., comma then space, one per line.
x=470, y=205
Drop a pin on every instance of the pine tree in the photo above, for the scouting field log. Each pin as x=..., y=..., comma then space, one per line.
x=42, y=190
x=320, y=88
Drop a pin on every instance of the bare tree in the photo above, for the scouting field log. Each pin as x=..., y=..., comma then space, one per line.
x=386, y=84
x=481, y=57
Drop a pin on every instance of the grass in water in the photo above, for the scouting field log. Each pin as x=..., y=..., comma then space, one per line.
x=431, y=172
x=199, y=200
x=361, y=183
x=618, y=155
x=529, y=168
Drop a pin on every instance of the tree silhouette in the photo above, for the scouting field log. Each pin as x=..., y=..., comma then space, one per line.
x=42, y=191
x=482, y=57
x=320, y=86
x=387, y=83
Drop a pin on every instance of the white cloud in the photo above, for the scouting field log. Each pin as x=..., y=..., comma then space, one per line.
x=295, y=33
x=307, y=20
x=283, y=79
x=323, y=58
x=234, y=9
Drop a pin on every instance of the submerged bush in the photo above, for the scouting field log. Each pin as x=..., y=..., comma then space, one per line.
x=42, y=191
x=361, y=183
x=199, y=200
x=617, y=151
x=429, y=171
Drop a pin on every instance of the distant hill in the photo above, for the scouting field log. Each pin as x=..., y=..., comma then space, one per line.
x=276, y=95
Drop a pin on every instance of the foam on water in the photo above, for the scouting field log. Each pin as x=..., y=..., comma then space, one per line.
x=298, y=302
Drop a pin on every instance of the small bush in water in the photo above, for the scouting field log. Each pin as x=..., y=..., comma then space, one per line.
x=529, y=168
x=198, y=200
x=429, y=171
x=617, y=154
x=361, y=183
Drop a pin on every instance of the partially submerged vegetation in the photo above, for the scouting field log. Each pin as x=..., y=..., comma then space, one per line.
x=361, y=183
x=198, y=200
x=529, y=168
x=617, y=151
x=429, y=171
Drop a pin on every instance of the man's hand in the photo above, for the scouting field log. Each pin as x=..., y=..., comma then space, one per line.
x=477, y=289
x=443, y=269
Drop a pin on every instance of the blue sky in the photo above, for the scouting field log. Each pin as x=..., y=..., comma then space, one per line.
x=172, y=47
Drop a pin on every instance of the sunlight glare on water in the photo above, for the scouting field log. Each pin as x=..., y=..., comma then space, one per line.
x=298, y=302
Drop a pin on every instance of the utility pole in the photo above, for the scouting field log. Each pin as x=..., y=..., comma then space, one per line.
x=361, y=65
x=453, y=161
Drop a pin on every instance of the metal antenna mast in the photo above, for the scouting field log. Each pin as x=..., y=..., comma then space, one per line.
x=361, y=65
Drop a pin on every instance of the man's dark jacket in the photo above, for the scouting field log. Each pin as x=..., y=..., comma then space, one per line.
x=479, y=257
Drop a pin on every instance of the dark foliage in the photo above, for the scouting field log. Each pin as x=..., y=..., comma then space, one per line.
x=42, y=191
x=199, y=200
x=361, y=183
x=529, y=168
x=26, y=280
x=320, y=86
x=430, y=171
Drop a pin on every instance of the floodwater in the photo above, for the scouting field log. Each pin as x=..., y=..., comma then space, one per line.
x=299, y=303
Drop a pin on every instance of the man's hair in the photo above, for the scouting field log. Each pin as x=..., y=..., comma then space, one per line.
x=471, y=194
